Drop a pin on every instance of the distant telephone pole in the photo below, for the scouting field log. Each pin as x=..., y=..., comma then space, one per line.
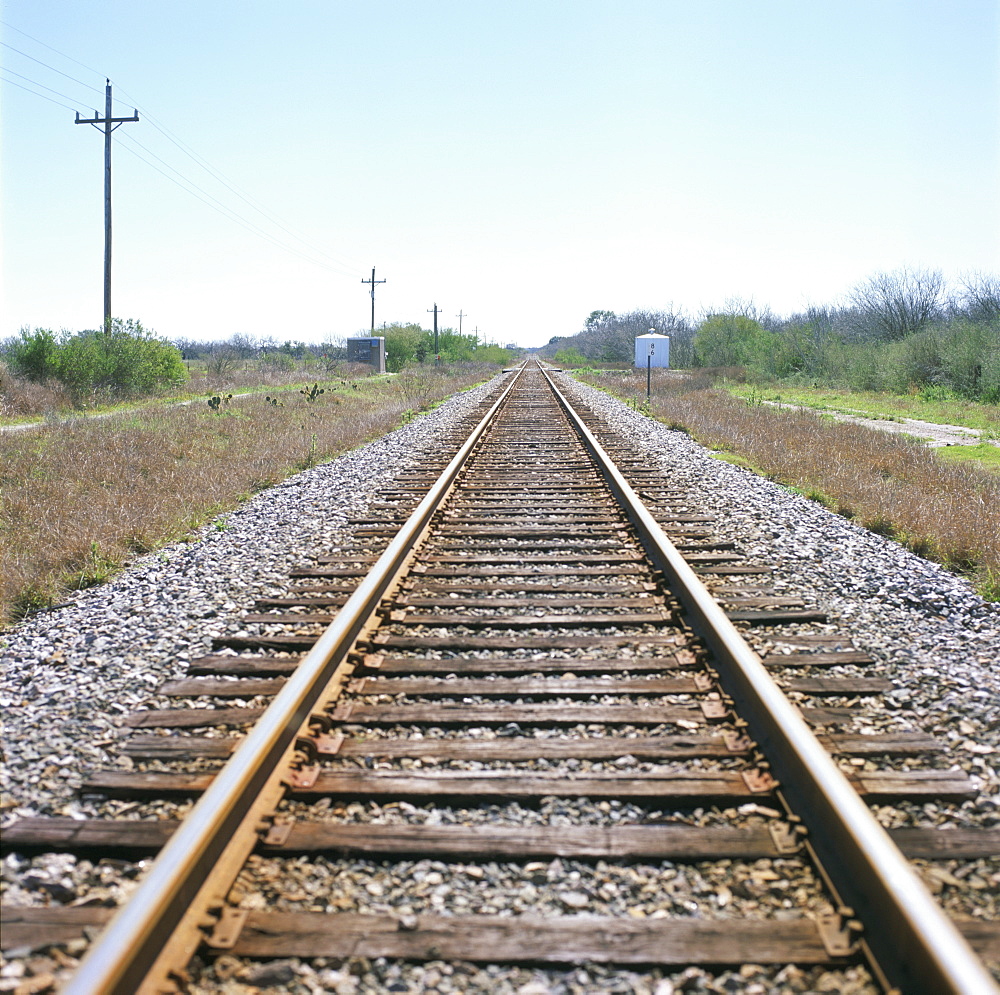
x=373, y=281
x=435, y=310
x=460, y=315
x=110, y=124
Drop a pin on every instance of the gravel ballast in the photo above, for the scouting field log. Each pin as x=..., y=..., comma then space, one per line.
x=926, y=628
x=67, y=676
x=70, y=674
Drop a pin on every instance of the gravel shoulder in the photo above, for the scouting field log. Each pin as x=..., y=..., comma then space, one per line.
x=927, y=629
x=69, y=675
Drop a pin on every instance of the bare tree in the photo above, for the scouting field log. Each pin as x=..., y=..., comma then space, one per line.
x=745, y=308
x=222, y=360
x=891, y=306
x=980, y=299
x=245, y=346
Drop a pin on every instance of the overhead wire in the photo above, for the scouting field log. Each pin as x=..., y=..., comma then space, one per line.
x=35, y=82
x=229, y=185
x=51, y=68
x=37, y=41
x=26, y=89
x=223, y=211
x=327, y=258
x=127, y=140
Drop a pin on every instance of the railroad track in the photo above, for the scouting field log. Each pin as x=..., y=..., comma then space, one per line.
x=516, y=632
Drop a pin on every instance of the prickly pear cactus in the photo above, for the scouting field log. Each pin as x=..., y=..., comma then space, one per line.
x=311, y=393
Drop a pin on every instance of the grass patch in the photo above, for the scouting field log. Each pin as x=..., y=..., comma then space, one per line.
x=870, y=404
x=985, y=455
x=943, y=507
x=735, y=461
x=989, y=584
x=79, y=499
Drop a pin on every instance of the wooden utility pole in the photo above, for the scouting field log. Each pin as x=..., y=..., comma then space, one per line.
x=435, y=310
x=460, y=315
x=373, y=281
x=109, y=124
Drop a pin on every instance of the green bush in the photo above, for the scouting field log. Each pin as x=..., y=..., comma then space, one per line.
x=496, y=354
x=956, y=354
x=278, y=361
x=409, y=344
x=736, y=340
x=404, y=345
x=970, y=359
x=570, y=357
x=33, y=356
x=127, y=361
x=960, y=358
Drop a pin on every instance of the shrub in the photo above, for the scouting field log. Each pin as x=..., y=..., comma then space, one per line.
x=127, y=361
x=277, y=361
x=570, y=356
x=34, y=355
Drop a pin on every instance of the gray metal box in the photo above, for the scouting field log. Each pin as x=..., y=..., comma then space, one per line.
x=367, y=350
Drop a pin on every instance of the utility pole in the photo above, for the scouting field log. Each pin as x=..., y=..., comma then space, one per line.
x=435, y=309
x=460, y=315
x=475, y=331
x=110, y=124
x=373, y=281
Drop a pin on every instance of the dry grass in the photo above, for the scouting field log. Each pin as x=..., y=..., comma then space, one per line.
x=78, y=499
x=23, y=399
x=255, y=375
x=949, y=512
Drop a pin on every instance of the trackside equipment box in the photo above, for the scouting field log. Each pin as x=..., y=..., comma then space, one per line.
x=370, y=351
x=652, y=350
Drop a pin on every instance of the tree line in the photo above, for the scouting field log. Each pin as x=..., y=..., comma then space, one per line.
x=895, y=331
x=128, y=361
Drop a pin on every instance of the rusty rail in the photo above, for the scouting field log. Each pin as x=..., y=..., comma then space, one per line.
x=161, y=924
x=909, y=940
x=913, y=942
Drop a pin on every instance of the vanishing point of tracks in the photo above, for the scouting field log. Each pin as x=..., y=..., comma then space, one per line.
x=528, y=632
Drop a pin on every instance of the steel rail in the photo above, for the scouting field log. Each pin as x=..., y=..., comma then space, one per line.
x=913, y=941
x=121, y=958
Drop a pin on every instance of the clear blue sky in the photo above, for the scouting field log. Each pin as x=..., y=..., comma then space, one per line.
x=523, y=161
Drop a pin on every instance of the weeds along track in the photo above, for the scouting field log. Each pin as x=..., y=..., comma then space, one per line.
x=510, y=725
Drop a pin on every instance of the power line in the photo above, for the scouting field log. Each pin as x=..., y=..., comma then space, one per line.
x=10, y=82
x=220, y=177
x=206, y=198
x=329, y=262
x=327, y=258
x=220, y=208
x=69, y=58
x=52, y=68
x=35, y=82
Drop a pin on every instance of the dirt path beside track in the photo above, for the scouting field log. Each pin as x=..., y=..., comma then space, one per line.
x=933, y=434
